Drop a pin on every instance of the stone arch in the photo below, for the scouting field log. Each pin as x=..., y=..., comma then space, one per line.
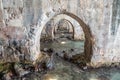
x=88, y=52
x=68, y=23
x=70, y=20
x=64, y=23
x=88, y=36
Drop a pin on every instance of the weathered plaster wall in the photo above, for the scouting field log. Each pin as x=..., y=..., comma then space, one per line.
x=34, y=14
x=12, y=11
x=2, y=23
x=114, y=33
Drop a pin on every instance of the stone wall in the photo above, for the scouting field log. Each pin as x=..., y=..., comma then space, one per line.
x=2, y=23
x=34, y=14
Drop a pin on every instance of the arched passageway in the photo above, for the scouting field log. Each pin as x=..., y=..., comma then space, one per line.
x=62, y=41
x=88, y=36
x=50, y=29
x=70, y=27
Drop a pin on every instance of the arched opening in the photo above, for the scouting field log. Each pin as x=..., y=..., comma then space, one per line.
x=47, y=31
x=88, y=37
x=69, y=27
x=63, y=42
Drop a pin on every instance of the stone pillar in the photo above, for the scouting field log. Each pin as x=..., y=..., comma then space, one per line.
x=1, y=14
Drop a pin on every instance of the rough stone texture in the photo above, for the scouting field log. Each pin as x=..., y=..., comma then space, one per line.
x=13, y=12
x=2, y=24
x=13, y=44
x=96, y=14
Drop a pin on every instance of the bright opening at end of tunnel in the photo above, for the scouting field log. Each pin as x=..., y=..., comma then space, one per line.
x=63, y=42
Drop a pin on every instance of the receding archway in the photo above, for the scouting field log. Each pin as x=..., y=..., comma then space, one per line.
x=70, y=25
x=35, y=48
x=88, y=36
x=49, y=29
x=63, y=41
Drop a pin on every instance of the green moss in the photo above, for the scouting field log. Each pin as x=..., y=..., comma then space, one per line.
x=1, y=67
x=4, y=67
x=9, y=66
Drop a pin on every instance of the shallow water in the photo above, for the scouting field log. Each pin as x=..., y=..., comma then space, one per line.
x=65, y=45
x=67, y=71
x=64, y=70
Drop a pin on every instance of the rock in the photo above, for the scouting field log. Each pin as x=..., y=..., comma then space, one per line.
x=2, y=42
x=50, y=63
x=21, y=57
x=66, y=57
x=57, y=54
x=85, y=67
x=45, y=49
x=50, y=50
x=8, y=76
x=20, y=71
x=29, y=67
x=72, y=49
x=23, y=73
x=63, y=51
